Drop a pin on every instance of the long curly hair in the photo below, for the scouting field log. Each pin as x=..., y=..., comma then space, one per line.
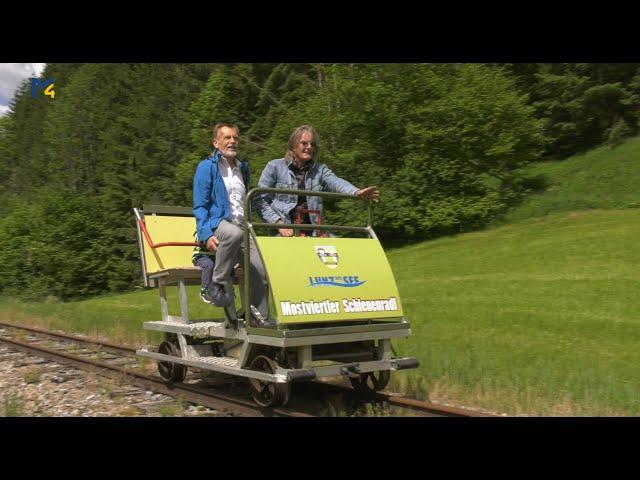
x=295, y=138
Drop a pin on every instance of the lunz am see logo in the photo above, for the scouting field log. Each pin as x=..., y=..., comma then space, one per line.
x=342, y=281
x=45, y=86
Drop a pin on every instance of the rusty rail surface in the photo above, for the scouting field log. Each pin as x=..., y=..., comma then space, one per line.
x=67, y=336
x=396, y=399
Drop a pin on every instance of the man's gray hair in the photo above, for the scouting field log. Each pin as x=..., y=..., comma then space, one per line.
x=218, y=126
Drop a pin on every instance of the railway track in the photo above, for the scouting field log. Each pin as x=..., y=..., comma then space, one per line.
x=124, y=368
x=194, y=394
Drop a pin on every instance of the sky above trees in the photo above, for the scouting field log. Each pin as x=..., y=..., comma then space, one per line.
x=10, y=76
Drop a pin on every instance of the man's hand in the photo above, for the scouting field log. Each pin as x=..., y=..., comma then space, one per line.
x=285, y=232
x=369, y=192
x=212, y=244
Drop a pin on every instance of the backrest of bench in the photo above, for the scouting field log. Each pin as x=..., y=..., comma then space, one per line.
x=165, y=224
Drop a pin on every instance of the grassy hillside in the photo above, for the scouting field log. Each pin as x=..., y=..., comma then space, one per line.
x=601, y=178
x=540, y=316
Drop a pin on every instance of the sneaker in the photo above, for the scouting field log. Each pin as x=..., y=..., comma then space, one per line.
x=205, y=295
x=219, y=296
x=259, y=320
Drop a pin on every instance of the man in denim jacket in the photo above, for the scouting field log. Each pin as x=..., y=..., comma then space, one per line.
x=219, y=188
x=298, y=170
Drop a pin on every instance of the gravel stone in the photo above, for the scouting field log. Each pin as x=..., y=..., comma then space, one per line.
x=64, y=391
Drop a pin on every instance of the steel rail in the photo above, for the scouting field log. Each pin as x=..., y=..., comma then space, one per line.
x=423, y=406
x=411, y=403
x=67, y=336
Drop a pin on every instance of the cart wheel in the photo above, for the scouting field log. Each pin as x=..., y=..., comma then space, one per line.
x=371, y=382
x=268, y=394
x=171, y=372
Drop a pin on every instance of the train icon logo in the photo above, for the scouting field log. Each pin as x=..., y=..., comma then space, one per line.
x=328, y=255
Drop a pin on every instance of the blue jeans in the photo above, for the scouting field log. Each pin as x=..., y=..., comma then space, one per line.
x=206, y=263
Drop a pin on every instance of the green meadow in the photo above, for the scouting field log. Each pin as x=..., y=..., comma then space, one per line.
x=602, y=178
x=541, y=316
x=537, y=316
x=116, y=316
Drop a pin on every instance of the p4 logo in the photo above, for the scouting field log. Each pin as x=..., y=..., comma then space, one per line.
x=46, y=85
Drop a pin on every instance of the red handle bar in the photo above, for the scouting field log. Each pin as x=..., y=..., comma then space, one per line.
x=143, y=227
x=301, y=211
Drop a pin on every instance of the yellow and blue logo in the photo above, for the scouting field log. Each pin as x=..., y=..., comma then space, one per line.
x=46, y=86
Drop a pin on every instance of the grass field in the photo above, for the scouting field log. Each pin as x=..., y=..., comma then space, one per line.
x=538, y=316
x=542, y=316
x=602, y=178
x=116, y=316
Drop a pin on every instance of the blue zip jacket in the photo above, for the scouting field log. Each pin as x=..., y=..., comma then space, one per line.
x=210, y=198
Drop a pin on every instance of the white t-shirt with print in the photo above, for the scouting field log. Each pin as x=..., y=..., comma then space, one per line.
x=236, y=191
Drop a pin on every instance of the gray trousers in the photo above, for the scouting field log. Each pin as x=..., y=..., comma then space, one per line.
x=230, y=251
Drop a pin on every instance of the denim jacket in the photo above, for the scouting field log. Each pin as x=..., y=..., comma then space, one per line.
x=277, y=174
x=210, y=198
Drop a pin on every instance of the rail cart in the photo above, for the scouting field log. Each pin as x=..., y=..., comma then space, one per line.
x=334, y=305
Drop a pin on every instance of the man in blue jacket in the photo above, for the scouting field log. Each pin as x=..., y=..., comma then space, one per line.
x=299, y=170
x=219, y=188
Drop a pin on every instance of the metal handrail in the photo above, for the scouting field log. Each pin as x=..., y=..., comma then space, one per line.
x=249, y=225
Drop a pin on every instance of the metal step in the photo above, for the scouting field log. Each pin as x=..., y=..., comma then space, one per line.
x=217, y=361
x=230, y=366
x=219, y=364
x=197, y=329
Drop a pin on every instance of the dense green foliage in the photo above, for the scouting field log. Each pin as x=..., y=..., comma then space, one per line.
x=582, y=104
x=446, y=143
